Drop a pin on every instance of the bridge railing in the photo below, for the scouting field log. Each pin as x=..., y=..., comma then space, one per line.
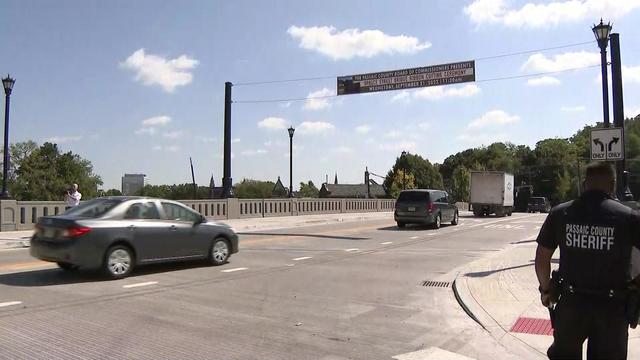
x=23, y=215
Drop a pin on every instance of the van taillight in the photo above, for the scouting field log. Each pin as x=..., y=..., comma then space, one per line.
x=431, y=207
x=76, y=231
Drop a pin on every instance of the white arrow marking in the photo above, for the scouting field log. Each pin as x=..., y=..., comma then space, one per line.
x=139, y=284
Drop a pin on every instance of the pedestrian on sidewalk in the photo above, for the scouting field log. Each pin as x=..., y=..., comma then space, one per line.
x=72, y=196
x=595, y=234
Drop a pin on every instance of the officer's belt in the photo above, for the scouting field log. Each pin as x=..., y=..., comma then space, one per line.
x=610, y=293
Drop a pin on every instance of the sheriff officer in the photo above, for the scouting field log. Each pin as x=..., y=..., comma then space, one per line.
x=595, y=234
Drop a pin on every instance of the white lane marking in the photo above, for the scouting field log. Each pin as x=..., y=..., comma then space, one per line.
x=139, y=284
x=291, y=265
x=350, y=250
x=303, y=258
x=414, y=237
x=386, y=243
x=432, y=234
x=232, y=270
x=432, y=353
x=10, y=303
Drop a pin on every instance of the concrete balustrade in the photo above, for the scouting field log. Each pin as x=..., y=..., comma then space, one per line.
x=22, y=215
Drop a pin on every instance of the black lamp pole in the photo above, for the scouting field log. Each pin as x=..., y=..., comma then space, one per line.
x=404, y=170
x=7, y=83
x=601, y=31
x=291, y=130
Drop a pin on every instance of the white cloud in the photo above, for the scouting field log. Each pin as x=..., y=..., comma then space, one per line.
x=273, y=123
x=350, y=43
x=532, y=15
x=286, y=105
x=424, y=126
x=250, y=152
x=235, y=140
x=268, y=144
x=476, y=139
x=363, y=129
x=173, y=148
x=155, y=70
x=146, y=131
x=403, y=96
x=156, y=148
x=173, y=134
x=543, y=81
x=631, y=74
x=572, y=109
x=206, y=139
x=343, y=150
x=156, y=121
x=370, y=141
x=561, y=62
x=315, y=127
x=399, y=146
x=440, y=92
x=63, y=139
x=318, y=100
x=491, y=118
x=393, y=134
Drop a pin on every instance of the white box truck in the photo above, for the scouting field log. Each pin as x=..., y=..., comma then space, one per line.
x=491, y=193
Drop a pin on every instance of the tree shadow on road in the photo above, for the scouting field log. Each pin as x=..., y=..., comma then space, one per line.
x=305, y=235
x=491, y=272
x=411, y=227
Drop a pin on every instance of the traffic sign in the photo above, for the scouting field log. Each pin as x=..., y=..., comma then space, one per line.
x=607, y=144
x=435, y=75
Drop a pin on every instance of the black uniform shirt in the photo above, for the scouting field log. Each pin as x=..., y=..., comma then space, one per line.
x=595, y=234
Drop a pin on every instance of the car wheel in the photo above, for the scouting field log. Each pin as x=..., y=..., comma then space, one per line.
x=219, y=253
x=118, y=262
x=401, y=224
x=67, y=267
x=456, y=219
x=437, y=223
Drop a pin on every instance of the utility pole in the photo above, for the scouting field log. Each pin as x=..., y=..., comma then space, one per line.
x=226, y=177
x=622, y=186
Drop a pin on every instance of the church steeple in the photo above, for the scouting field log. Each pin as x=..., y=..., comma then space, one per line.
x=335, y=181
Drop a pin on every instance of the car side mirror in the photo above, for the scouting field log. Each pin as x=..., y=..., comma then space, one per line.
x=200, y=220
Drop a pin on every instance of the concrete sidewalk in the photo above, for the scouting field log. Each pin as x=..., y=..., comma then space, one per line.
x=20, y=239
x=501, y=292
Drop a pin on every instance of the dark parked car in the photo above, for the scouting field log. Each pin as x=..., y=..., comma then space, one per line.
x=539, y=204
x=114, y=234
x=421, y=206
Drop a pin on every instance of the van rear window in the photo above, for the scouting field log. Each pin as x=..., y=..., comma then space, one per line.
x=414, y=196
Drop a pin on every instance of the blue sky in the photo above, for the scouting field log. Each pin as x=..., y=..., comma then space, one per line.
x=138, y=86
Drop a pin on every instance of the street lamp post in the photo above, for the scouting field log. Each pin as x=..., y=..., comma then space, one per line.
x=601, y=31
x=291, y=130
x=404, y=170
x=7, y=83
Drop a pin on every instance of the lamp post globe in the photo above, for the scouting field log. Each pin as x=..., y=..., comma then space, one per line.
x=601, y=32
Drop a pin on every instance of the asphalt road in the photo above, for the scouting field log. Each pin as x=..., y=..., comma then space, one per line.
x=346, y=291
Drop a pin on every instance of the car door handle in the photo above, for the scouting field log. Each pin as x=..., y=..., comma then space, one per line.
x=173, y=228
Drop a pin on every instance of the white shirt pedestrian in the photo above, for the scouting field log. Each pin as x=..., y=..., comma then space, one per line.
x=73, y=196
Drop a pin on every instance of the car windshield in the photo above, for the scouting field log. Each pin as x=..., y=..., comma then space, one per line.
x=93, y=208
x=413, y=196
x=537, y=201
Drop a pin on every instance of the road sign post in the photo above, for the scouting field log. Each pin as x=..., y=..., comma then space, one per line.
x=607, y=144
x=434, y=75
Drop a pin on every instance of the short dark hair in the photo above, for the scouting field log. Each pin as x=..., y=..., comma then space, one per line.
x=600, y=169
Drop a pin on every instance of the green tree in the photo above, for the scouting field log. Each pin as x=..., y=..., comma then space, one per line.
x=45, y=173
x=460, y=184
x=425, y=174
x=113, y=192
x=309, y=190
x=254, y=189
x=401, y=182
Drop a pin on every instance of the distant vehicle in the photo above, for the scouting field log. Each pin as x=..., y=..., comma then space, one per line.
x=114, y=234
x=422, y=206
x=491, y=193
x=539, y=204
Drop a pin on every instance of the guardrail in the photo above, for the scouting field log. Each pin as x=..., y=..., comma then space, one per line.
x=23, y=215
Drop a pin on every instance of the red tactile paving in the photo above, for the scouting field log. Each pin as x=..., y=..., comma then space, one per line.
x=532, y=326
